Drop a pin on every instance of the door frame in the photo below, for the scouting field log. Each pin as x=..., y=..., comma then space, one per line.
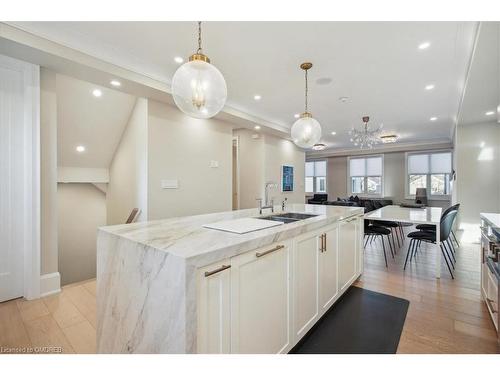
x=31, y=175
x=236, y=144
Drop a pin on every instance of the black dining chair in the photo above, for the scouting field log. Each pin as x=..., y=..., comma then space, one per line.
x=373, y=231
x=446, y=224
x=452, y=237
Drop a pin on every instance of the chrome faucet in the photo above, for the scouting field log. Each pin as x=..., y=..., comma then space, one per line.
x=269, y=185
x=261, y=207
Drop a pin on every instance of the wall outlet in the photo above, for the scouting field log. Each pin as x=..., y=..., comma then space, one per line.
x=214, y=164
x=169, y=184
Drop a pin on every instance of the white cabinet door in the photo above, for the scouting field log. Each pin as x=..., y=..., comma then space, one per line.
x=360, y=233
x=328, y=274
x=214, y=312
x=305, y=283
x=347, y=252
x=260, y=300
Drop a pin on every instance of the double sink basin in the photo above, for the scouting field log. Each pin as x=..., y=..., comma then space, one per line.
x=289, y=217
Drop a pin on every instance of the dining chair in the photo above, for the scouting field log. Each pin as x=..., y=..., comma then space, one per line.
x=446, y=224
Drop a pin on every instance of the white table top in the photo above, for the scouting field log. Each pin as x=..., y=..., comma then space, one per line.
x=492, y=218
x=427, y=215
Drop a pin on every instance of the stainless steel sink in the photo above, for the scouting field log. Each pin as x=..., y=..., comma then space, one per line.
x=289, y=217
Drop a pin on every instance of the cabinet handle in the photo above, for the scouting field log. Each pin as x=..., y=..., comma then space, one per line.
x=220, y=269
x=324, y=242
x=258, y=255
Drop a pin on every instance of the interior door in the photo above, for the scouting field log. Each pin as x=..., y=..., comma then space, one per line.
x=17, y=145
x=328, y=275
x=306, y=252
x=260, y=301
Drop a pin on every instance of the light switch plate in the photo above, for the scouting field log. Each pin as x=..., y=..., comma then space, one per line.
x=169, y=184
x=214, y=164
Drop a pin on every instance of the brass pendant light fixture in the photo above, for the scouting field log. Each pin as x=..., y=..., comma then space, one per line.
x=306, y=131
x=198, y=87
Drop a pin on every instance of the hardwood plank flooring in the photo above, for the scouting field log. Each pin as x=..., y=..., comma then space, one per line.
x=445, y=315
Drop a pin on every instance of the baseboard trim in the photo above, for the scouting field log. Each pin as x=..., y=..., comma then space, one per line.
x=50, y=283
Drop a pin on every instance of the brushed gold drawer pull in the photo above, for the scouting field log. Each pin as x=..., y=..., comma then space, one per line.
x=220, y=269
x=258, y=255
x=321, y=243
x=324, y=242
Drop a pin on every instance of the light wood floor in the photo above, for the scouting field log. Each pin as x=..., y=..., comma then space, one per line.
x=64, y=322
x=445, y=316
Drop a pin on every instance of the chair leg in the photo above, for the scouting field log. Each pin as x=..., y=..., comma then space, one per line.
x=455, y=238
x=448, y=253
x=452, y=248
x=408, y=252
x=393, y=242
x=390, y=245
x=383, y=247
x=446, y=260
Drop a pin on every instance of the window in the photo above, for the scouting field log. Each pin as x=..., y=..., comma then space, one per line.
x=431, y=171
x=316, y=176
x=366, y=175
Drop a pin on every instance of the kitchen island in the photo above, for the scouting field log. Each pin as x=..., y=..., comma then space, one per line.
x=174, y=286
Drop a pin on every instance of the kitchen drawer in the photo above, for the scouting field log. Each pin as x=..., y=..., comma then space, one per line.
x=492, y=296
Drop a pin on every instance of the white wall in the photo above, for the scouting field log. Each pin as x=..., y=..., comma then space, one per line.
x=478, y=174
x=81, y=210
x=181, y=148
x=128, y=173
x=260, y=161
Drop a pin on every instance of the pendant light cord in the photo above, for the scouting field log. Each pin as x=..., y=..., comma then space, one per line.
x=199, y=38
x=307, y=89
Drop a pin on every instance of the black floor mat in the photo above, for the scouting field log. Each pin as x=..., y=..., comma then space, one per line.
x=361, y=321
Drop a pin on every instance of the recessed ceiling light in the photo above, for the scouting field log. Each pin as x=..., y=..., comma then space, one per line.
x=343, y=99
x=433, y=118
x=115, y=83
x=424, y=45
x=178, y=60
x=80, y=148
x=97, y=93
x=490, y=113
x=333, y=133
x=257, y=127
x=319, y=147
x=257, y=97
x=297, y=115
x=429, y=87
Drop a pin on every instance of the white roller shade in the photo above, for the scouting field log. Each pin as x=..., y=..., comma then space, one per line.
x=418, y=164
x=310, y=169
x=357, y=167
x=441, y=163
x=374, y=166
x=320, y=168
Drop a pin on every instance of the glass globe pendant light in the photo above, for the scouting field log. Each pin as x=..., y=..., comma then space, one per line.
x=306, y=131
x=198, y=87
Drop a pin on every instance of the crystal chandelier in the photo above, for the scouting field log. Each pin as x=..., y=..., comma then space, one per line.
x=306, y=131
x=198, y=87
x=365, y=137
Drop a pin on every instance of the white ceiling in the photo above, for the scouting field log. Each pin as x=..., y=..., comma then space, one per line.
x=95, y=123
x=376, y=64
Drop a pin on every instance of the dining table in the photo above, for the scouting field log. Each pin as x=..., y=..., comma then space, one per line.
x=413, y=215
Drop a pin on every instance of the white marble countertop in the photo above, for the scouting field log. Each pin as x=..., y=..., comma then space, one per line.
x=426, y=215
x=492, y=218
x=185, y=237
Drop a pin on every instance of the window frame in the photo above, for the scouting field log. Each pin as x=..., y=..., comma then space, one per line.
x=365, y=194
x=428, y=181
x=314, y=176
